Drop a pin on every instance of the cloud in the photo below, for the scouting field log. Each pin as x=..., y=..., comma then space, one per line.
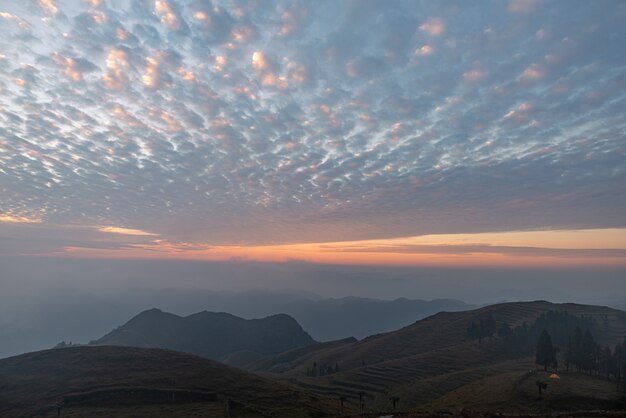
x=523, y=6
x=533, y=72
x=434, y=26
x=23, y=24
x=118, y=65
x=124, y=231
x=49, y=6
x=73, y=69
x=424, y=50
x=292, y=20
x=17, y=219
x=24, y=239
x=475, y=75
x=292, y=122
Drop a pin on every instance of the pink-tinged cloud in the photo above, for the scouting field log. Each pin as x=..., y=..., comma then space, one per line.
x=434, y=26
x=217, y=124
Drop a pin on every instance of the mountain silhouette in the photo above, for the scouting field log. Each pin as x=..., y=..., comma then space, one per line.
x=214, y=335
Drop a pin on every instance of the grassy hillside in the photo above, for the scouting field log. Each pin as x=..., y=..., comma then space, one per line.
x=127, y=381
x=428, y=359
x=446, y=330
x=431, y=365
x=283, y=361
x=516, y=392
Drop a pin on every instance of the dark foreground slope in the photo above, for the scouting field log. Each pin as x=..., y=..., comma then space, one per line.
x=433, y=357
x=129, y=381
x=213, y=335
x=515, y=392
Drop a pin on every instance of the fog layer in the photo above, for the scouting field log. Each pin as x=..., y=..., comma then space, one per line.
x=46, y=300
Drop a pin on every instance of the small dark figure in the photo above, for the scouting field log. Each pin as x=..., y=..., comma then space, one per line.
x=541, y=386
x=394, y=401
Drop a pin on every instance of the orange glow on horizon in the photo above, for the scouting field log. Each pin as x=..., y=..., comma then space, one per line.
x=597, y=248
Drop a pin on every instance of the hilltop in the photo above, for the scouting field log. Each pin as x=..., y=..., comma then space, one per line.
x=141, y=382
x=214, y=335
x=430, y=358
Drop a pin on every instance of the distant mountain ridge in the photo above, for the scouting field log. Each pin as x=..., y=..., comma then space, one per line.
x=325, y=319
x=330, y=319
x=213, y=335
x=333, y=319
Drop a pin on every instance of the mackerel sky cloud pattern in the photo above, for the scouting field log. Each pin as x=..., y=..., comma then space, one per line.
x=259, y=121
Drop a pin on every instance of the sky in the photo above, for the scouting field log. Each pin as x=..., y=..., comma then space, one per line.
x=404, y=133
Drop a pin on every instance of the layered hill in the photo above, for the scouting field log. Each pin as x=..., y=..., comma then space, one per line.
x=43, y=323
x=430, y=358
x=339, y=318
x=218, y=336
x=434, y=364
x=141, y=382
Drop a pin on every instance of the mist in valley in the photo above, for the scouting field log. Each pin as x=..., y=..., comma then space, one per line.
x=48, y=300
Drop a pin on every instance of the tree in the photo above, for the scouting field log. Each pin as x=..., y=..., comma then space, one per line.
x=546, y=353
x=522, y=344
x=616, y=364
x=589, y=352
x=481, y=331
x=569, y=352
x=342, y=399
x=490, y=326
x=228, y=402
x=361, y=395
x=577, y=342
x=555, y=362
x=605, y=361
x=620, y=364
x=473, y=331
x=505, y=331
x=394, y=401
